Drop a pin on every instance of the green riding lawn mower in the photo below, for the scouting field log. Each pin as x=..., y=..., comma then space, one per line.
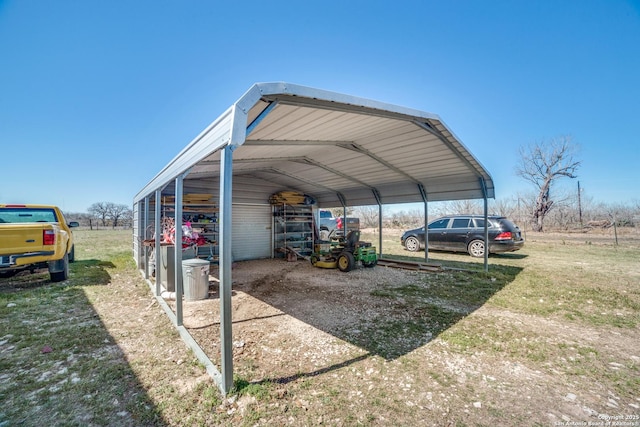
x=344, y=254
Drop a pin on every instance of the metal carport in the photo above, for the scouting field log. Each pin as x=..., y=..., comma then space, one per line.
x=343, y=150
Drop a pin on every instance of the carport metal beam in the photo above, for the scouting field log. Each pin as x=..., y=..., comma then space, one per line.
x=306, y=161
x=483, y=185
x=445, y=141
x=423, y=194
x=177, y=252
x=276, y=171
x=376, y=194
x=144, y=236
x=260, y=117
x=359, y=149
x=226, y=350
x=157, y=248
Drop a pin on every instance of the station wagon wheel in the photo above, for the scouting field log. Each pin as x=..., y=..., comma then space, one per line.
x=412, y=244
x=476, y=248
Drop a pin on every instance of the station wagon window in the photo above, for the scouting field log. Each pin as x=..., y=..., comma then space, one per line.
x=441, y=223
x=460, y=223
x=480, y=223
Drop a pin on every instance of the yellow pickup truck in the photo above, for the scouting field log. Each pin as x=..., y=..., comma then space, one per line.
x=34, y=237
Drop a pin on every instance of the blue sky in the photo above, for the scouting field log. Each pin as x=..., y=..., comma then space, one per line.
x=96, y=97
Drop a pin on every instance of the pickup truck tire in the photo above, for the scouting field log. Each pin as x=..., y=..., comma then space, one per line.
x=72, y=254
x=61, y=275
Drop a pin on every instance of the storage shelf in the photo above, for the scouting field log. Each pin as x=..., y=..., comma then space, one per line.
x=292, y=229
x=202, y=212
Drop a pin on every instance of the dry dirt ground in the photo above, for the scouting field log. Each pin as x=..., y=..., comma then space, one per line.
x=301, y=331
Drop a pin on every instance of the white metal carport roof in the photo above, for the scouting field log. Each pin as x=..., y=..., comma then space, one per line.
x=342, y=150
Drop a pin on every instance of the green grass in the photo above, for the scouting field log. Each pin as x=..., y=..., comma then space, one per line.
x=571, y=279
x=596, y=285
x=429, y=305
x=57, y=356
x=258, y=390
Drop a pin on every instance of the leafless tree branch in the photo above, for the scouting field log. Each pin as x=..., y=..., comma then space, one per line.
x=543, y=163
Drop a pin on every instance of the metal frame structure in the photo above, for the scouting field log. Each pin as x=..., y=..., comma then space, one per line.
x=342, y=150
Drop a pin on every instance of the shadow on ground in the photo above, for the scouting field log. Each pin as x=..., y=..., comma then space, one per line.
x=58, y=362
x=87, y=273
x=385, y=312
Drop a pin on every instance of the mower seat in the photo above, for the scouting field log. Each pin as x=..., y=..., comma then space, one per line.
x=353, y=237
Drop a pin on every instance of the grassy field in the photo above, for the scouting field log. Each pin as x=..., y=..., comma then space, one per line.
x=550, y=335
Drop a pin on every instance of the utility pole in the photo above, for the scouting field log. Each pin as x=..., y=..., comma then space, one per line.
x=579, y=205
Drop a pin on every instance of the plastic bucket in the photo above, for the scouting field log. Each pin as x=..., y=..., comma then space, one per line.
x=195, y=277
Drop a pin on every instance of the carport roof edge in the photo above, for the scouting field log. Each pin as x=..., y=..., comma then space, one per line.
x=468, y=178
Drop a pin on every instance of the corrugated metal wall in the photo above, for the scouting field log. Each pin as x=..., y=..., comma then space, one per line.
x=252, y=234
x=137, y=253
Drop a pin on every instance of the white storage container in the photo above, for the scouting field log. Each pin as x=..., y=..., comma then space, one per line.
x=195, y=277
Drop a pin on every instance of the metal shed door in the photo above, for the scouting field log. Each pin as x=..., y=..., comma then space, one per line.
x=251, y=232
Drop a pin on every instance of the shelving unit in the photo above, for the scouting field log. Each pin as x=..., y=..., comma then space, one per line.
x=292, y=229
x=206, y=225
x=202, y=213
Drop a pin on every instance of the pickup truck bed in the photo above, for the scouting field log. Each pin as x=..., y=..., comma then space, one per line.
x=33, y=237
x=334, y=227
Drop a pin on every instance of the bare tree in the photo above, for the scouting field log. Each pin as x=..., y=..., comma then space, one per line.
x=110, y=212
x=100, y=210
x=127, y=217
x=505, y=207
x=368, y=215
x=117, y=212
x=465, y=207
x=542, y=164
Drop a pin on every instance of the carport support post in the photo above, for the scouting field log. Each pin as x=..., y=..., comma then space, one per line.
x=483, y=185
x=144, y=236
x=423, y=194
x=426, y=231
x=158, y=232
x=343, y=202
x=226, y=350
x=344, y=221
x=486, y=235
x=376, y=194
x=178, y=250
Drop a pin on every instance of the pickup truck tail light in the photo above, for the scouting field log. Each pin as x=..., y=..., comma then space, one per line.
x=48, y=237
x=505, y=235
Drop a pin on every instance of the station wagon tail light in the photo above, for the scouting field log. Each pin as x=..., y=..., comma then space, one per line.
x=505, y=235
x=48, y=237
